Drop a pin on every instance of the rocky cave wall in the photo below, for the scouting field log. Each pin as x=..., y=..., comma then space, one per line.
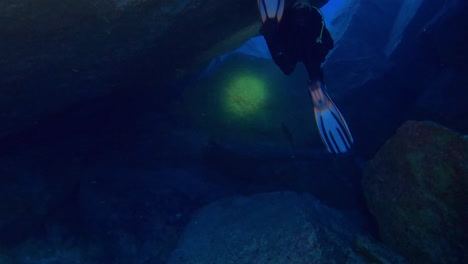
x=54, y=54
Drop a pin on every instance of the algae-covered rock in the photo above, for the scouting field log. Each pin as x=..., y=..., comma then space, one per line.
x=273, y=228
x=416, y=188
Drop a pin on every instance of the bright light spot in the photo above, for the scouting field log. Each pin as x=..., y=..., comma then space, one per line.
x=245, y=95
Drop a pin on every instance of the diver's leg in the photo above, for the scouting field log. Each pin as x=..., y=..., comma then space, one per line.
x=331, y=125
x=314, y=70
x=284, y=59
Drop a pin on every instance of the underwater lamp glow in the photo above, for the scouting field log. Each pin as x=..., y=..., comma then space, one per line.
x=245, y=94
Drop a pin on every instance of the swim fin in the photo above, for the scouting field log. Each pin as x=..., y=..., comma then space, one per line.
x=271, y=9
x=332, y=127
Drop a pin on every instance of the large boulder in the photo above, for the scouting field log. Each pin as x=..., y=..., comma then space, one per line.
x=272, y=228
x=416, y=188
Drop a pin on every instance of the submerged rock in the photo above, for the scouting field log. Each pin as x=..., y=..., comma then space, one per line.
x=281, y=227
x=416, y=188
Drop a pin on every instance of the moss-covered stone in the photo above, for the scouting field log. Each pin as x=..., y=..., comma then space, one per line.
x=416, y=188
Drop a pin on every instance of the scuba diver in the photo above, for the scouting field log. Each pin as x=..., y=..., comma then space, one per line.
x=295, y=31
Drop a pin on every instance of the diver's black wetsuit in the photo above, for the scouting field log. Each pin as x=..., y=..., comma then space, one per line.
x=300, y=36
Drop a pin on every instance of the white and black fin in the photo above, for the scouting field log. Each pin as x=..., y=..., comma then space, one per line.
x=331, y=125
x=271, y=9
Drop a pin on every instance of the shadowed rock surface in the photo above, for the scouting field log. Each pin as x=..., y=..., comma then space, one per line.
x=35, y=191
